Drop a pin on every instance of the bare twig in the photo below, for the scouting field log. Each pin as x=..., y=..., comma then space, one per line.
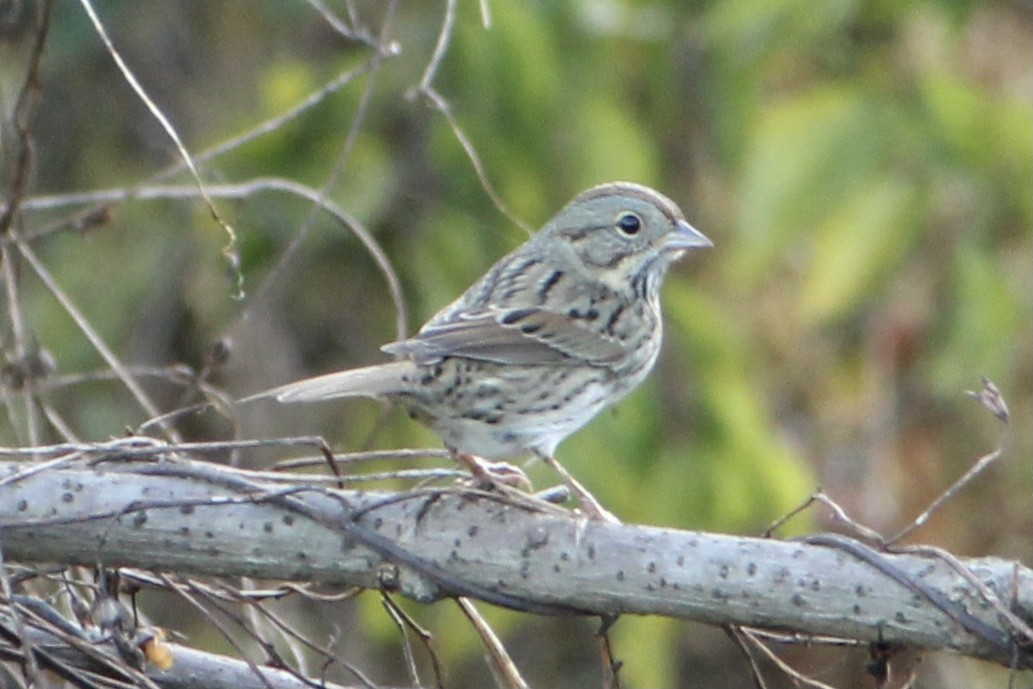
x=785, y=667
x=990, y=397
x=400, y=619
x=425, y=90
x=610, y=665
x=32, y=668
x=357, y=457
x=319, y=199
x=271, y=125
x=245, y=189
x=735, y=633
x=502, y=665
x=127, y=378
x=426, y=638
x=335, y=22
x=440, y=47
x=838, y=514
x=485, y=14
x=229, y=250
x=21, y=347
x=219, y=626
x=24, y=110
x=981, y=464
x=441, y=105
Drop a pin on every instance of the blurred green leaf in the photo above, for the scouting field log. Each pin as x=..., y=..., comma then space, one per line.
x=649, y=643
x=809, y=156
x=736, y=473
x=858, y=245
x=753, y=29
x=514, y=72
x=979, y=336
x=959, y=110
x=611, y=145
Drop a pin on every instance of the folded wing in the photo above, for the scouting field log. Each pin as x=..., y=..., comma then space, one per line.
x=530, y=336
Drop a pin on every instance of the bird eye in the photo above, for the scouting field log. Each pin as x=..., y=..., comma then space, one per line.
x=629, y=223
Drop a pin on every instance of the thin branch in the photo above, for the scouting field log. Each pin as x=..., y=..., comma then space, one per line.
x=746, y=645
x=838, y=514
x=187, y=596
x=441, y=105
x=782, y=665
x=320, y=198
x=21, y=347
x=425, y=638
x=440, y=47
x=425, y=90
x=101, y=207
x=981, y=464
x=991, y=399
x=244, y=190
x=335, y=22
x=79, y=661
x=400, y=619
x=229, y=250
x=357, y=457
x=272, y=124
x=32, y=667
x=24, y=111
x=504, y=668
x=127, y=378
x=610, y=665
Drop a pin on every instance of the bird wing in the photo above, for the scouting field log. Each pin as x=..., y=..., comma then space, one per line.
x=534, y=336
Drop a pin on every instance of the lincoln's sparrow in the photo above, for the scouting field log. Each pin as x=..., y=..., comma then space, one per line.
x=561, y=328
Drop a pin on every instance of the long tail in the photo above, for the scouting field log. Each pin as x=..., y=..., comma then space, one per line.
x=371, y=381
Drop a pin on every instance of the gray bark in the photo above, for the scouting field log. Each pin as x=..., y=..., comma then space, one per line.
x=197, y=518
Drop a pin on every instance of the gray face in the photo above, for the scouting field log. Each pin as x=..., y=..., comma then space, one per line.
x=623, y=234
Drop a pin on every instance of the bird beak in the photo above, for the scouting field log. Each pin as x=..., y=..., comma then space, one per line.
x=685, y=236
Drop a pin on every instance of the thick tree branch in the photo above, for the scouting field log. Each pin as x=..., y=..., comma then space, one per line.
x=194, y=517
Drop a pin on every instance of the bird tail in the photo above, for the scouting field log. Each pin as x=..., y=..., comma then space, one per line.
x=371, y=381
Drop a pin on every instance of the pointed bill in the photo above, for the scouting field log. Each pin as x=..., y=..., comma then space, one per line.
x=685, y=236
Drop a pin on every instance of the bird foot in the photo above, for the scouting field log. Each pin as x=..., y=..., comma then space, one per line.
x=494, y=474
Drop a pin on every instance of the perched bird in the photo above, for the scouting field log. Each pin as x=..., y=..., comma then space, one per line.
x=561, y=328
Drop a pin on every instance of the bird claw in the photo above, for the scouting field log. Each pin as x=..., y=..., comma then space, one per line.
x=495, y=475
x=503, y=477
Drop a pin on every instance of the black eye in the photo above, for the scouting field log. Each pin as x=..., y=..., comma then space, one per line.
x=629, y=223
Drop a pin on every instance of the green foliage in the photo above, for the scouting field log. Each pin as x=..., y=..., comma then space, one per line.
x=856, y=249
x=976, y=334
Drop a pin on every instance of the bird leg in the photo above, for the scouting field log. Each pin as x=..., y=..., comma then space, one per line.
x=493, y=474
x=589, y=505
